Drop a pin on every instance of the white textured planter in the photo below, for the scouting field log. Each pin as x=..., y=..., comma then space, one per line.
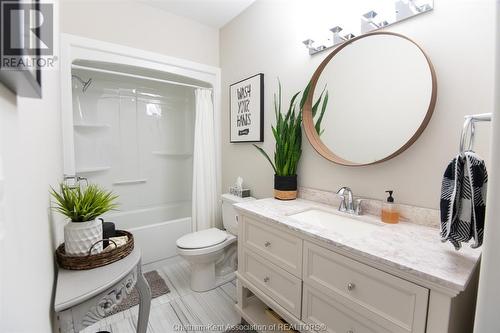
x=80, y=236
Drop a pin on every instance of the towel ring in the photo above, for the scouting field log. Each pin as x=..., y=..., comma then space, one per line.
x=469, y=127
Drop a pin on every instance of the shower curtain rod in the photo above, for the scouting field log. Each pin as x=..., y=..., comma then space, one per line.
x=137, y=76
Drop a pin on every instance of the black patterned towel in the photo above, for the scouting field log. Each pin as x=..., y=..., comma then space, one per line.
x=463, y=200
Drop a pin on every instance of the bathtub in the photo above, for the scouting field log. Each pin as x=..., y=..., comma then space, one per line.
x=155, y=229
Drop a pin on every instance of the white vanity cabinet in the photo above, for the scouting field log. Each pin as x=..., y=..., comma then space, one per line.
x=320, y=287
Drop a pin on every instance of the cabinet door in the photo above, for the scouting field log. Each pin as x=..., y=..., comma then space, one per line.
x=281, y=286
x=324, y=313
x=280, y=247
x=402, y=305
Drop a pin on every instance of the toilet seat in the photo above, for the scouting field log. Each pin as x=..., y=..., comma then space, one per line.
x=206, y=251
x=202, y=239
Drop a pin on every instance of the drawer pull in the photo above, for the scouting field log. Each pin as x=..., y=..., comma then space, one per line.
x=267, y=244
x=350, y=331
x=266, y=279
x=350, y=287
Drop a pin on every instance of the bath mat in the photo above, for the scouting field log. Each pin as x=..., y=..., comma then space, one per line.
x=158, y=288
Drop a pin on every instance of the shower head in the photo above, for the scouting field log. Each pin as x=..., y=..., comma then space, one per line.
x=85, y=84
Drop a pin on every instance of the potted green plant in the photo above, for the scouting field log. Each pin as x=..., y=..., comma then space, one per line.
x=288, y=136
x=83, y=206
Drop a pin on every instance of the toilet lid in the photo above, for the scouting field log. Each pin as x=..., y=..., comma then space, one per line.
x=201, y=239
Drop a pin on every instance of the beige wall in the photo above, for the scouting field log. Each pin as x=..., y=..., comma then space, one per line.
x=31, y=151
x=458, y=37
x=141, y=26
x=487, y=319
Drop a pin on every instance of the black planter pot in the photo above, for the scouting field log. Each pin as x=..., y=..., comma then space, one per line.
x=285, y=187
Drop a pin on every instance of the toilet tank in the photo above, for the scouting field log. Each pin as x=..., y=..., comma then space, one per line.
x=229, y=214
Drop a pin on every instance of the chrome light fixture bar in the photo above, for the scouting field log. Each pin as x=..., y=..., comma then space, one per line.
x=370, y=21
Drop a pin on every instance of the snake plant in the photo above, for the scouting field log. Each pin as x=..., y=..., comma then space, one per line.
x=287, y=131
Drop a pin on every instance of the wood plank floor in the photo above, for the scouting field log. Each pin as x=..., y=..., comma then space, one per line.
x=181, y=310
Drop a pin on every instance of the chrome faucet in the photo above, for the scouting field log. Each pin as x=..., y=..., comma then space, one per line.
x=347, y=203
x=346, y=206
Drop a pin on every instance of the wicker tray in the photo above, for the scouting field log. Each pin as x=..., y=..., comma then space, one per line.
x=95, y=260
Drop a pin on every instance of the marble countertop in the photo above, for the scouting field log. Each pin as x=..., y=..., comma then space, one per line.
x=413, y=248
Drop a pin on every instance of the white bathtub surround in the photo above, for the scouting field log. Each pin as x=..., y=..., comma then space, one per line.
x=137, y=134
x=205, y=199
x=80, y=236
x=418, y=215
x=413, y=249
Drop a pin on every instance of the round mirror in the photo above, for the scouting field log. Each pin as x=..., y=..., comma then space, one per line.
x=381, y=94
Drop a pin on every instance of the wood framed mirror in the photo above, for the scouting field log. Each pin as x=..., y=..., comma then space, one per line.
x=382, y=92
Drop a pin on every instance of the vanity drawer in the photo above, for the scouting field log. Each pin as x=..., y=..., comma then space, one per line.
x=278, y=246
x=371, y=292
x=324, y=313
x=281, y=286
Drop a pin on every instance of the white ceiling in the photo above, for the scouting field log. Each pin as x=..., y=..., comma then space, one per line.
x=215, y=13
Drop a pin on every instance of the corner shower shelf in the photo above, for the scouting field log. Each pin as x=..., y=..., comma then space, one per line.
x=91, y=125
x=92, y=169
x=171, y=154
x=130, y=181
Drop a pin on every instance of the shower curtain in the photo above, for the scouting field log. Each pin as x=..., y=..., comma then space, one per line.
x=205, y=201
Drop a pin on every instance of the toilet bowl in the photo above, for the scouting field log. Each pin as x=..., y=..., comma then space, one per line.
x=211, y=253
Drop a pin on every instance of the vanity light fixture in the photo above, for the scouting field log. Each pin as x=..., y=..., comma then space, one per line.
x=370, y=15
x=367, y=23
x=403, y=9
x=349, y=36
x=309, y=44
x=424, y=8
x=336, y=35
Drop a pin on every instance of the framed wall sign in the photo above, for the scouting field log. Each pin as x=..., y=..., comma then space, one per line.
x=246, y=107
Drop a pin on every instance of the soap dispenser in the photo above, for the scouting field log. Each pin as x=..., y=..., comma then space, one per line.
x=390, y=212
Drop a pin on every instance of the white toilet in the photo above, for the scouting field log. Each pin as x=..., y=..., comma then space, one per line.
x=211, y=253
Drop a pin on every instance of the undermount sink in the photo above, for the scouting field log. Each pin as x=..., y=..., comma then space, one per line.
x=337, y=222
